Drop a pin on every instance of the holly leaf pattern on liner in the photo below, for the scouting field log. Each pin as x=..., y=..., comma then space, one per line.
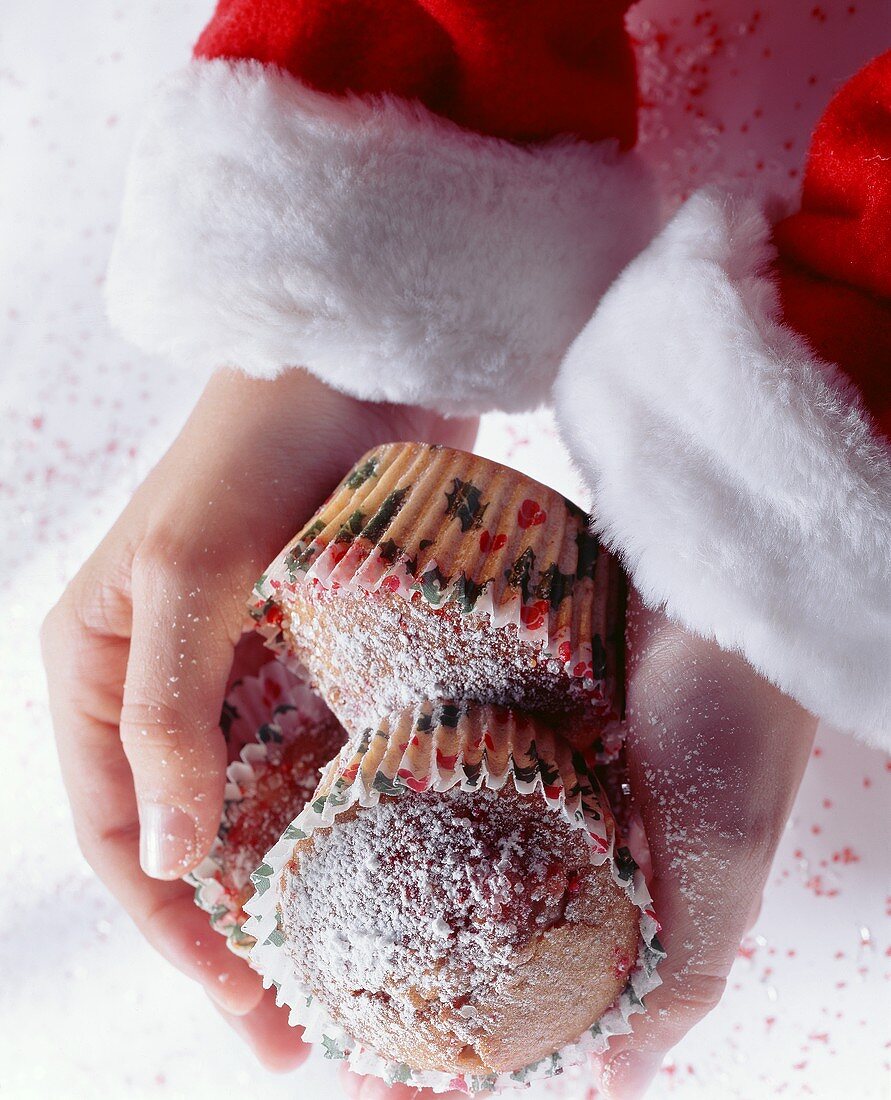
x=465, y=503
x=261, y=878
x=357, y=478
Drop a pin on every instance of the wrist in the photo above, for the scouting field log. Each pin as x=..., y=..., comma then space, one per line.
x=295, y=409
x=256, y=458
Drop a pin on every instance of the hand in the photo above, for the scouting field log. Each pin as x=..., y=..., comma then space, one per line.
x=139, y=648
x=716, y=755
x=356, y=1087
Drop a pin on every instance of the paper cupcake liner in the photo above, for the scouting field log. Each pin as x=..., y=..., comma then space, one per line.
x=438, y=747
x=452, y=528
x=283, y=735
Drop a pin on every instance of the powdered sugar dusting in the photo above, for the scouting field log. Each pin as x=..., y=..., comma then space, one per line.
x=373, y=655
x=455, y=890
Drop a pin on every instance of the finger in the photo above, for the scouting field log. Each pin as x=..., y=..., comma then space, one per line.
x=277, y=1045
x=754, y=913
x=180, y=656
x=357, y=1087
x=628, y=1075
x=85, y=652
x=715, y=758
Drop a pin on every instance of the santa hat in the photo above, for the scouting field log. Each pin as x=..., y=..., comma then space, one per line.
x=418, y=201
x=730, y=402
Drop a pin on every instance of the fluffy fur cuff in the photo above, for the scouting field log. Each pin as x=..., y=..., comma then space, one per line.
x=393, y=254
x=738, y=475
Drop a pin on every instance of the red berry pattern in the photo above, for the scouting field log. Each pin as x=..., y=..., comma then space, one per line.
x=531, y=514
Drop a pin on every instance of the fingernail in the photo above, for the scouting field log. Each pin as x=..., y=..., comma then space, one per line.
x=630, y=1074
x=166, y=840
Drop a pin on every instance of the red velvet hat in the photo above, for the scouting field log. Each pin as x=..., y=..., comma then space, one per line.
x=417, y=200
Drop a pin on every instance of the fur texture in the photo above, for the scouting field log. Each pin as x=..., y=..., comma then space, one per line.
x=516, y=69
x=746, y=489
x=393, y=254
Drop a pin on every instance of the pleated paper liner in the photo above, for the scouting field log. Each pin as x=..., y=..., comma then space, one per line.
x=438, y=747
x=270, y=704
x=283, y=736
x=449, y=530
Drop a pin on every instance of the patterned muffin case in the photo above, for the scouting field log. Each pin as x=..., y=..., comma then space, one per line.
x=438, y=747
x=448, y=527
x=279, y=735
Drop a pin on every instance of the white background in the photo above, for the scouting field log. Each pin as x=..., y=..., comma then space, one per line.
x=86, y=1009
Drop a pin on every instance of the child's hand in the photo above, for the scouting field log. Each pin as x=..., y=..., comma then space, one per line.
x=139, y=648
x=716, y=755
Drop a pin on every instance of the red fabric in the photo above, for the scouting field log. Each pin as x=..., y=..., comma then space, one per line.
x=525, y=70
x=835, y=254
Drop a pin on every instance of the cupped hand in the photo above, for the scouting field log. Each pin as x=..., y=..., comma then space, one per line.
x=716, y=755
x=139, y=648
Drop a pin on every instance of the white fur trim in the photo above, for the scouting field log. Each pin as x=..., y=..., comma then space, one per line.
x=395, y=255
x=738, y=474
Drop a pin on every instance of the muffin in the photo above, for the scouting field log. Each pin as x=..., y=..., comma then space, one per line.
x=437, y=926
x=432, y=573
x=451, y=909
x=285, y=736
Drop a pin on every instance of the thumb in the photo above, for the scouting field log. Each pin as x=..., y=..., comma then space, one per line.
x=180, y=655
